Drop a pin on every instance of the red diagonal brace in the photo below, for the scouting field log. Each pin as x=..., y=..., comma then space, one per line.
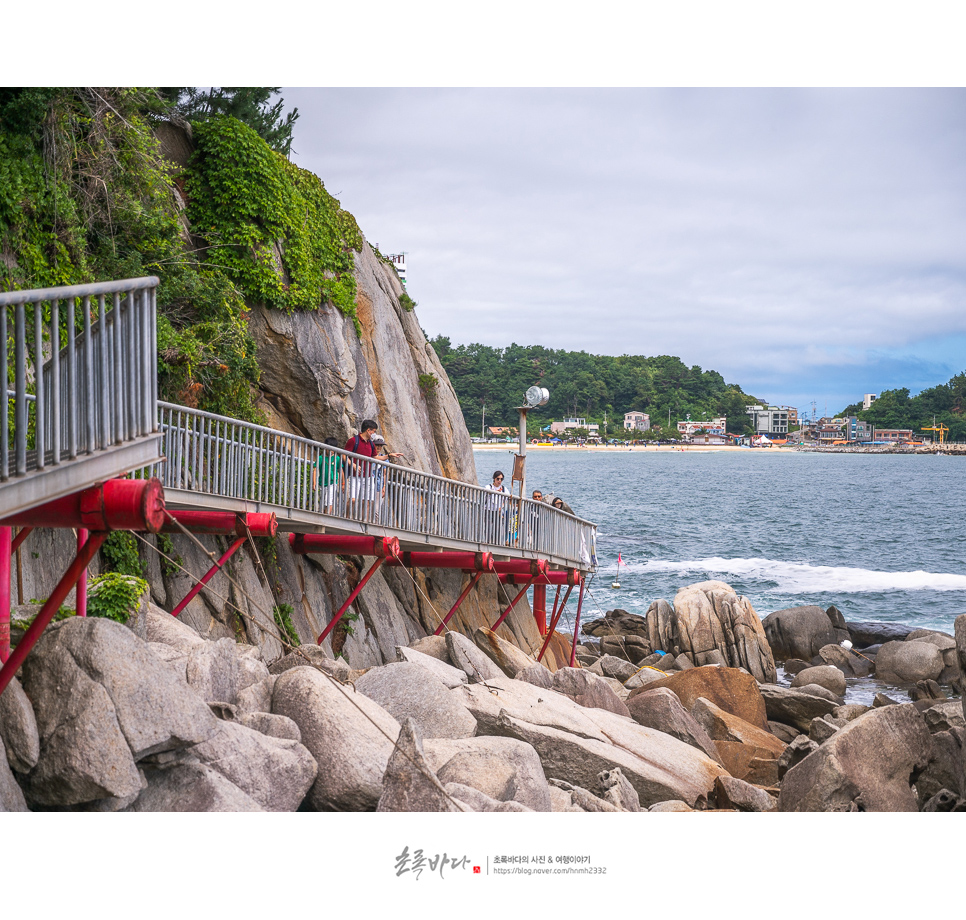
x=476, y=577
x=211, y=574
x=381, y=547
x=17, y=540
x=69, y=579
x=513, y=603
x=557, y=613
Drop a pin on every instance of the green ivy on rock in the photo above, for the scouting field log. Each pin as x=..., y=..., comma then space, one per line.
x=270, y=225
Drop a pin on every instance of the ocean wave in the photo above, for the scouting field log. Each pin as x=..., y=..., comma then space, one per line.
x=800, y=577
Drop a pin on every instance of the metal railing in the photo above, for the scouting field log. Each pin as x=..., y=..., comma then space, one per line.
x=96, y=348
x=219, y=456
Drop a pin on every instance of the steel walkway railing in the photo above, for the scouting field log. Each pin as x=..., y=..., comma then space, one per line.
x=217, y=462
x=83, y=405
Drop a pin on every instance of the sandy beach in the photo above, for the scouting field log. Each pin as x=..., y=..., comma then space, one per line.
x=512, y=446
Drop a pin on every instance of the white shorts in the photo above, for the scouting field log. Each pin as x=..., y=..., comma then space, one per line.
x=362, y=488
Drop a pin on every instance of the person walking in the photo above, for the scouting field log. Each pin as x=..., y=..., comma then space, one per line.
x=329, y=468
x=360, y=473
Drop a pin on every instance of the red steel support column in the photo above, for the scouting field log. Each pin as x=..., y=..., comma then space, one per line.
x=476, y=577
x=5, y=555
x=540, y=607
x=372, y=571
x=82, y=535
x=513, y=604
x=211, y=574
x=554, y=620
x=580, y=603
x=47, y=612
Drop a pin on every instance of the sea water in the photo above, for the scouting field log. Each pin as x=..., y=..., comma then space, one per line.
x=882, y=537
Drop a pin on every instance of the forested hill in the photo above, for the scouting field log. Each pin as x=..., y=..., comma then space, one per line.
x=586, y=386
x=897, y=409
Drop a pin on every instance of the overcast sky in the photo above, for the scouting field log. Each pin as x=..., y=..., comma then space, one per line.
x=807, y=244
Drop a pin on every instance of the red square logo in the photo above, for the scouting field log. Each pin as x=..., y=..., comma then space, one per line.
x=476, y=870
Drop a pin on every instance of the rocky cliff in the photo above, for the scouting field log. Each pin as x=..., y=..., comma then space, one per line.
x=320, y=378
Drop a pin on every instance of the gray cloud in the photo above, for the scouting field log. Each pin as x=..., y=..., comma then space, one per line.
x=777, y=236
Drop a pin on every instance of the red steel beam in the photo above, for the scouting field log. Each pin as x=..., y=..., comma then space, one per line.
x=69, y=579
x=81, y=594
x=340, y=545
x=540, y=607
x=472, y=584
x=528, y=567
x=468, y=562
x=223, y=523
x=556, y=577
x=117, y=504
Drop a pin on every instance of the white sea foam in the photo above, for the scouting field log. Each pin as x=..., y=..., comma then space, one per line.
x=799, y=577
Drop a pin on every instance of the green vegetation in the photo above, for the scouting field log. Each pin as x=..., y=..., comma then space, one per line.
x=897, y=409
x=283, y=620
x=85, y=195
x=248, y=104
x=427, y=383
x=587, y=386
x=120, y=554
x=115, y=596
x=407, y=303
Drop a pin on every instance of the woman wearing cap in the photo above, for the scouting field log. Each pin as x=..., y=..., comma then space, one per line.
x=382, y=452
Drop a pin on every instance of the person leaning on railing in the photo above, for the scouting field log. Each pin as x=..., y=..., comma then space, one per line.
x=382, y=453
x=362, y=482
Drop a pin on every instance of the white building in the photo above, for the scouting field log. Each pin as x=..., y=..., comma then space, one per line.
x=714, y=426
x=637, y=421
x=868, y=399
x=770, y=420
x=569, y=424
x=399, y=263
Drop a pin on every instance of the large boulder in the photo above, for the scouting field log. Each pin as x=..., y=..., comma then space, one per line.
x=711, y=619
x=275, y=772
x=465, y=655
x=868, y=765
x=191, y=787
x=731, y=689
x=18, y=728
x=410, y=691
x=409, y=783
x=724, y=726
x=588, y=690
x=504, y=768
x=825, y=675
x=450, y=676
x=864, y=634
x=795, y=707
x=11, y=795
x=661, y=709
x=507, y=657
x=800, y=632
x=350, y=736
x=908, y=662
x=575, y=743
x=103, y=701
x=617, y=623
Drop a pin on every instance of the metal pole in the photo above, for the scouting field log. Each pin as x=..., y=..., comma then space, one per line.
x=513, y=604
x=82, y=536
x=540, y=607
x=211, y=574
x=350, y=599
x=580, y=603
x=476, y=577
x=557, y=614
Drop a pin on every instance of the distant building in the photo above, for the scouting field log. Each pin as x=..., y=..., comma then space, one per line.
x=894, y=435
x=868, y=399
x=857, y=430
x=709, y=439
x=399, y=262
x=568, y=424
x=770, y=420
x=714, y=426
x=637, y=421
x=496, y=432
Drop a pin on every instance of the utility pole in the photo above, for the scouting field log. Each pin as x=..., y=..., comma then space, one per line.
x=483, y=423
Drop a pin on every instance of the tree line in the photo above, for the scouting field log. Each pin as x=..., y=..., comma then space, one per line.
x=897, y=409
x=586, y=386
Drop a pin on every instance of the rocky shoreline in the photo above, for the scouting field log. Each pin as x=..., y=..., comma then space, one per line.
x=679, y=710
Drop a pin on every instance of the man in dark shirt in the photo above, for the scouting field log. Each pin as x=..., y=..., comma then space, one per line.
x=361, y=478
